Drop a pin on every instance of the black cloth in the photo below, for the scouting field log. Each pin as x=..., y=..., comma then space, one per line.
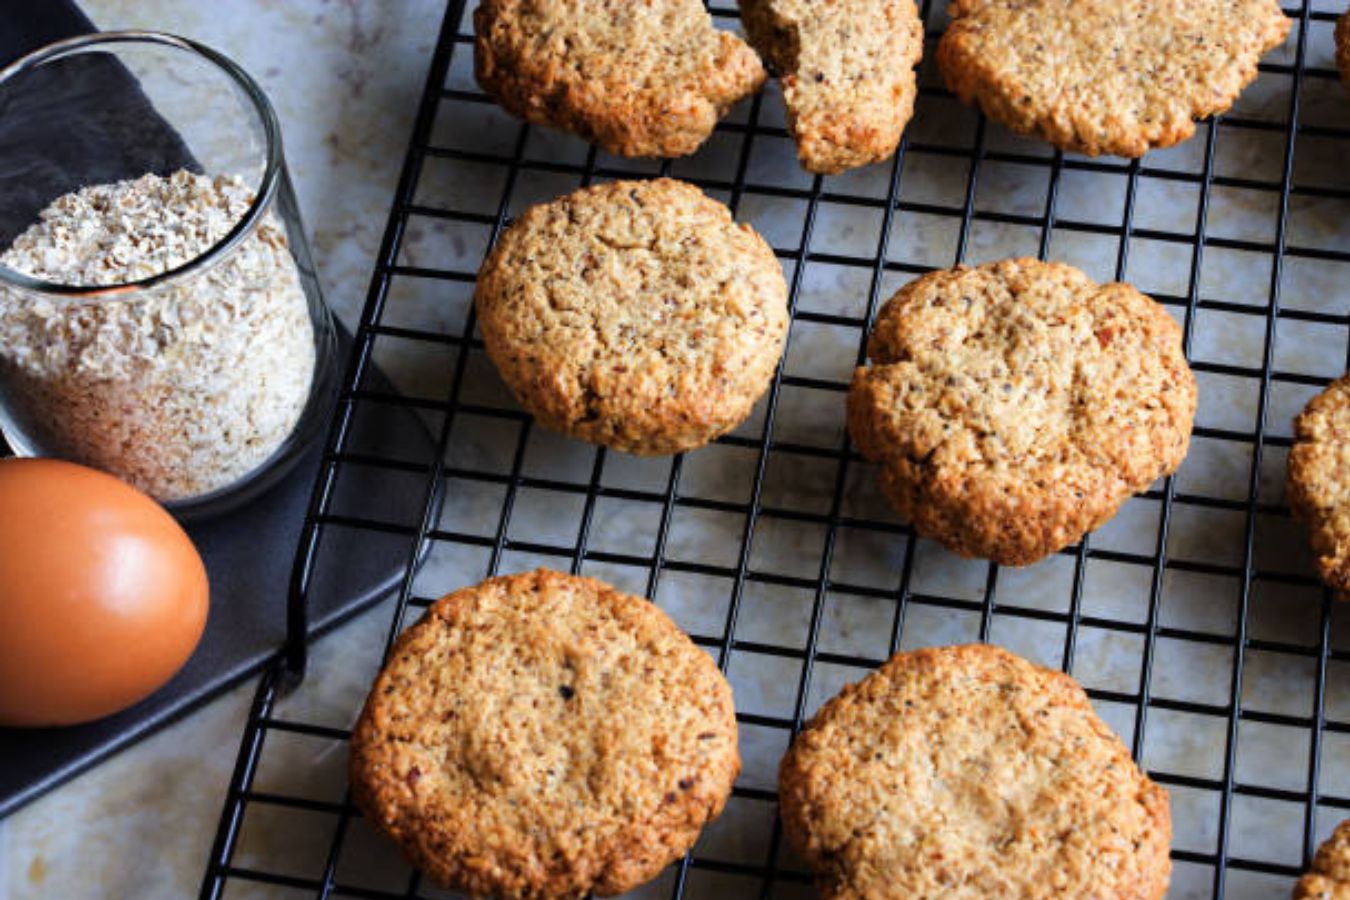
x=26, y=25
x=83, y=120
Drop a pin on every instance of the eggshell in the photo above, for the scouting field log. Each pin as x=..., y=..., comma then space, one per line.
x=103, y=597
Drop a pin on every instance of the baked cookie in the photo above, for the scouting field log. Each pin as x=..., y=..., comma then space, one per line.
x=1106, y=76
x=1329, y=877
x=1015, y=406
x=634, y=314
x=639, y=79
x=542, y=736
x=1318, y=486
x=968, y=772
x=848, y=74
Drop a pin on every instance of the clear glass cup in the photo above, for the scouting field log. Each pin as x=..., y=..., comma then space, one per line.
x=160, y=317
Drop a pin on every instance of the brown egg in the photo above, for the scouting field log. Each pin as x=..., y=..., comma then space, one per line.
x=102, y=595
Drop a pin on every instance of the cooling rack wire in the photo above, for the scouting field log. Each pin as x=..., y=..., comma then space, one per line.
x=1192, y=618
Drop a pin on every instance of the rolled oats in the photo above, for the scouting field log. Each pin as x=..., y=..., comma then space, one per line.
x=180, y=389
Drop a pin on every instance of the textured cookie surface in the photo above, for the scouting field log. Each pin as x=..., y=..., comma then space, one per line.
x=1106, y=76
x=543, y=735
x=1318, y=487
x=637, y=77
x=1329, y=877
x=967, y=772
x=634, y=314
x=1015, y=406
x=848, y=73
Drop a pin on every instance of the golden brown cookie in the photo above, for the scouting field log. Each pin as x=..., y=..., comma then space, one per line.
x=1015, y=406
x=1318, y=486
x=634, y=314
x=1329, y=877
x=639, y=79
x=967, y=772
x=1106, y=76
x=848, y=74
x=542, y=736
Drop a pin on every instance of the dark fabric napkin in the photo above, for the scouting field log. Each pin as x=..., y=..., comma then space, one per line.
x=71, y=121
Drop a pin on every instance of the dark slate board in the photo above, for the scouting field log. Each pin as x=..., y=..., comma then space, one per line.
x=248, y=555
x=249, y=551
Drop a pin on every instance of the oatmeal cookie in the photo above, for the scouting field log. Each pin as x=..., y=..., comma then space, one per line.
x=1015, y=406
x=1329, y=877
x=634, y=314
x=848, y=74
x=639, y=79
x=1106, y=76
x=967, y=772
x=542, y=736
x=1318, y=486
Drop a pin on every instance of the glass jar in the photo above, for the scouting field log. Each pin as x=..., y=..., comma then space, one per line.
x=160, y=317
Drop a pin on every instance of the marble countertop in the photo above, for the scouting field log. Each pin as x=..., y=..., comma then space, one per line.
x=345, y=77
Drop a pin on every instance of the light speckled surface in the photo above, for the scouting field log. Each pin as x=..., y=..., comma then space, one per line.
x=134, y=826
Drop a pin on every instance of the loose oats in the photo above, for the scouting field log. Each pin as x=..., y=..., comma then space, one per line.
x=181, y=389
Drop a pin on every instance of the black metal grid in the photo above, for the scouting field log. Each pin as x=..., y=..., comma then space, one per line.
x=1311, y=636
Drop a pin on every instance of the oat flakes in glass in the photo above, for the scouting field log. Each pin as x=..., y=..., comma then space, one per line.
x=159, y=313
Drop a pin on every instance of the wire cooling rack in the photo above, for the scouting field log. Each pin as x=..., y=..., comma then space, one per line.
x=1193, y=617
